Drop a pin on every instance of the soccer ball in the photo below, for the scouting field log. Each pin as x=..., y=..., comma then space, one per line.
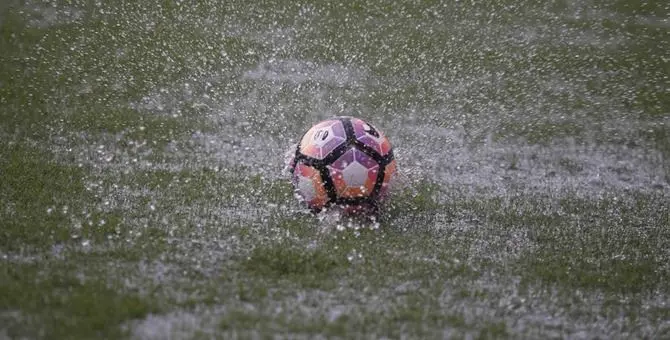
x=342, y=161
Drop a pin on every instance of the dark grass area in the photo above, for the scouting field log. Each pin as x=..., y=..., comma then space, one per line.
x=66, y=303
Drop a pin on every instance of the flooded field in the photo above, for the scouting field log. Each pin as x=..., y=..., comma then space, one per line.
x=143, y=193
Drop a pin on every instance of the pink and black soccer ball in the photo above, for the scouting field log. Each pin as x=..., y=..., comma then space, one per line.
x=343, y=161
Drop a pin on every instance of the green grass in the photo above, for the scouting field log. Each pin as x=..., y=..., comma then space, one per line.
x=48, y=204
x=142, y=146
x=66, y=303
x=310, y=269
x=589, y=253
x=37, y=190
x=542, y=133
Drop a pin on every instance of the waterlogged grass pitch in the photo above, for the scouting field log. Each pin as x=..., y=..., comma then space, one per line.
x=142, y=148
